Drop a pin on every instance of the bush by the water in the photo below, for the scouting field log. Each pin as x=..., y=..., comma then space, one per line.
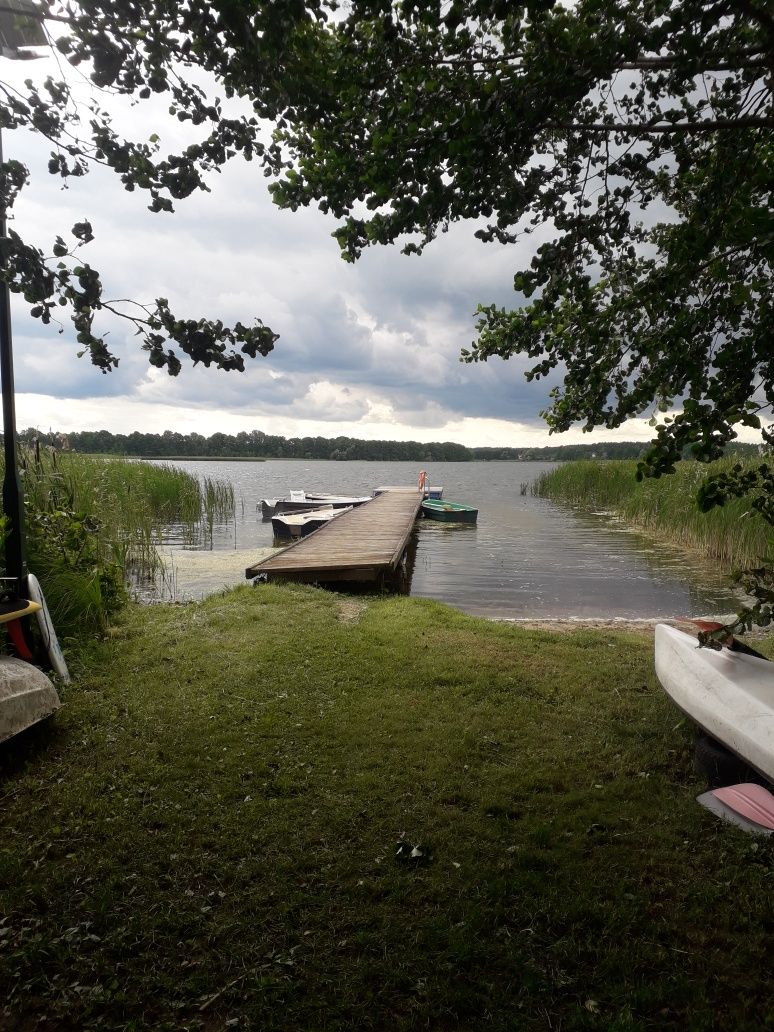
x=90, y=521
x=731, y=535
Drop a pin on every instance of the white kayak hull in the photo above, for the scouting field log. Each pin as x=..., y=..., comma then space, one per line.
x=729, y=694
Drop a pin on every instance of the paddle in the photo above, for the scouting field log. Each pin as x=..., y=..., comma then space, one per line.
x=748, y=806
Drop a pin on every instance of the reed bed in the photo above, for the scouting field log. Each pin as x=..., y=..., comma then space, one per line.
x=667, y=507
x=93, y=521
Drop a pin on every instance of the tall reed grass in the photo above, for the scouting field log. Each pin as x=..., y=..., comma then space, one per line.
x=667, y=507
x=92, y=521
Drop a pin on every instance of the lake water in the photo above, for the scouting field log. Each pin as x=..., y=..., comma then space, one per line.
x=525, y=558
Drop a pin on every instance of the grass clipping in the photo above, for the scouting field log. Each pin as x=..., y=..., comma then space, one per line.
x=264, y=811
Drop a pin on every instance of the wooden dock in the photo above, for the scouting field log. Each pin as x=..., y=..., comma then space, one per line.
x=365, y=544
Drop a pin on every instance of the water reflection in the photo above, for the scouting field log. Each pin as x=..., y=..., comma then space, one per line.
x=526, y=557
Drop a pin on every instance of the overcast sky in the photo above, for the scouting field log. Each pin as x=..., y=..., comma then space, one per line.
x=368, y=351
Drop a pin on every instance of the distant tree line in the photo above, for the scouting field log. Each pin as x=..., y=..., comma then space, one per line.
x=257, y=445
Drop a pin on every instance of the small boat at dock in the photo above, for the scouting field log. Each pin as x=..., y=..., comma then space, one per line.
x=448, y=512
x=301, y=501
x=291, y=525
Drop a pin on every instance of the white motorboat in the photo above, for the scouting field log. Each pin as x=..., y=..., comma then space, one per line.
x=728, y=693
x=338, y=501
x=301, y=501
x=287, y=526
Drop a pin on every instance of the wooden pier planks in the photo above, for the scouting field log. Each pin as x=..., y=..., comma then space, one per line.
x=362, y=544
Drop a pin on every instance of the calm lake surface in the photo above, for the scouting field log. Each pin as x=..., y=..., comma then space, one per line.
x=525, y=558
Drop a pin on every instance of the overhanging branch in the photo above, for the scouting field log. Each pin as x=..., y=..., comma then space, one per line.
x=702, y=126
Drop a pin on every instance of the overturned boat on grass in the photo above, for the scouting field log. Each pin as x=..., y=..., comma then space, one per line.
x=728, y=692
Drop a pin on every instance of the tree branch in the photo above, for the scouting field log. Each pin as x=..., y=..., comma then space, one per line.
x=704, y=126
x=752, y=58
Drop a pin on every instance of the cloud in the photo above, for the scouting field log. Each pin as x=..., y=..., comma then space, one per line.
x=369, y=350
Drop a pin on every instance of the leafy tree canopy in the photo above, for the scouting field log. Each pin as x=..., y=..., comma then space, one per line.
x=257, y=444
x=639, y=134
x=144, y=50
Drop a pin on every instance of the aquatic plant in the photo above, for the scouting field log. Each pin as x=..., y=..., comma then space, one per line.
x=93, y=521
x=217, y=502
x=733, y=535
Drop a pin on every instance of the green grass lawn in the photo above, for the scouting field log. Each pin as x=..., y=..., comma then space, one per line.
x=205, y=836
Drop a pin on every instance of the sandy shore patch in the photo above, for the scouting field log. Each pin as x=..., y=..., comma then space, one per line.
x=645, y=626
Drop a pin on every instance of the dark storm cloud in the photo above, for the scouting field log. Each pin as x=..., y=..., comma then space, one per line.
x=324, y=338
x=46, y=366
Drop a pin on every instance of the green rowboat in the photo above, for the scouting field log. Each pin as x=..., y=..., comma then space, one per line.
x=448, y=512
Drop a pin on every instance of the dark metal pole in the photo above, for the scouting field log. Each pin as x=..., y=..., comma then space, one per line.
x=13, y=497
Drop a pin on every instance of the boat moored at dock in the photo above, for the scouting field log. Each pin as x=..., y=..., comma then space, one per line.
x=448, y=512
x=301, y=501
x=289, y=525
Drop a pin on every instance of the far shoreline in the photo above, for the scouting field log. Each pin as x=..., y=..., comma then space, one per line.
x=194, y=458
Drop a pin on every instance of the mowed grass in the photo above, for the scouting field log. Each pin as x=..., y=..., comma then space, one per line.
x=205, y=836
